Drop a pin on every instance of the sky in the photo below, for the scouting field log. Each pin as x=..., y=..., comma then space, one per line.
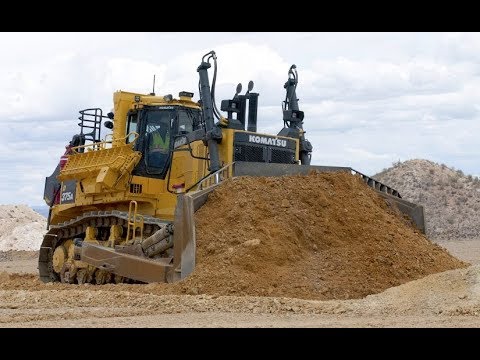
x=370, y=99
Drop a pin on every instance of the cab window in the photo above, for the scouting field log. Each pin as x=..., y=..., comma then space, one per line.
x=185, y=122
x=132, y=126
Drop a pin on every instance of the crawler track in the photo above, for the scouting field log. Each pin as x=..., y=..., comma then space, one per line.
x=75, y=229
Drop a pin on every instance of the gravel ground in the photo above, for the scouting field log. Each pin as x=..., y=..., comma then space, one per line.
x=447, y=299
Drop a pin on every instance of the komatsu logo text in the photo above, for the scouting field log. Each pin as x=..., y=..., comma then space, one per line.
x=267, y=141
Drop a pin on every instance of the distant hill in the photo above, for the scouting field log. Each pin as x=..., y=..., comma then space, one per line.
x=450, y=198
x=41, y=209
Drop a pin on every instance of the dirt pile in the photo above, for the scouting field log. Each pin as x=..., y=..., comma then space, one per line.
x=21, y=228
x=321, y=236
x=450, y=198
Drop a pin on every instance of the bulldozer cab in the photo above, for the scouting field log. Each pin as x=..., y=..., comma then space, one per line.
x=157, y=127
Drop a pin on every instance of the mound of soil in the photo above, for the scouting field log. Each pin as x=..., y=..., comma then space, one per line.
x=319, y=236
x=21, y=228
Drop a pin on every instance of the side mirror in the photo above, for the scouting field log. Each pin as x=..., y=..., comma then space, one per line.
x=239, y=88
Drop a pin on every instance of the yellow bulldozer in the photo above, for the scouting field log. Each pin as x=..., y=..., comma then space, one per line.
x=122, y=207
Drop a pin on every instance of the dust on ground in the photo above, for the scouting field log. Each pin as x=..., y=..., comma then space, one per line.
x=465, y=249
x=19, y=261
x=447, y=299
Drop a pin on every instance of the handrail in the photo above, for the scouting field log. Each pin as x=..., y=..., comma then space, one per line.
x=101, y=145
x=67, y=170
x=111, y=135
x=135, y=221
x=216, y=177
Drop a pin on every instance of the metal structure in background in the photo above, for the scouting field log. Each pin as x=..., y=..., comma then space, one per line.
x=293, y=117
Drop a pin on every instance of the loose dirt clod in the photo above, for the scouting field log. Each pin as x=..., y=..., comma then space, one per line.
x=320, y=236
x=4, y=277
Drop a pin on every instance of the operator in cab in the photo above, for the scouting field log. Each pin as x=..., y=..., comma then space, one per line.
x=159, y=146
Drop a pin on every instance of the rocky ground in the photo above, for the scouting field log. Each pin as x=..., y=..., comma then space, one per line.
x=446, y=299
x=451, y=199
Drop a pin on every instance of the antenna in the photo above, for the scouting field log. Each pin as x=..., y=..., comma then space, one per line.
x=153, y=90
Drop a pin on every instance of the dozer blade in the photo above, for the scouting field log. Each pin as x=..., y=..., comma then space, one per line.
x=414, y=211
x=243, y=168
x=130, y=266
x=184, y=236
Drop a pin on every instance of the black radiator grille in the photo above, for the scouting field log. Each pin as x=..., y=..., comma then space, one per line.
x=254, y=147
x=249, y=153
x=282, y=156
x=244, y=152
